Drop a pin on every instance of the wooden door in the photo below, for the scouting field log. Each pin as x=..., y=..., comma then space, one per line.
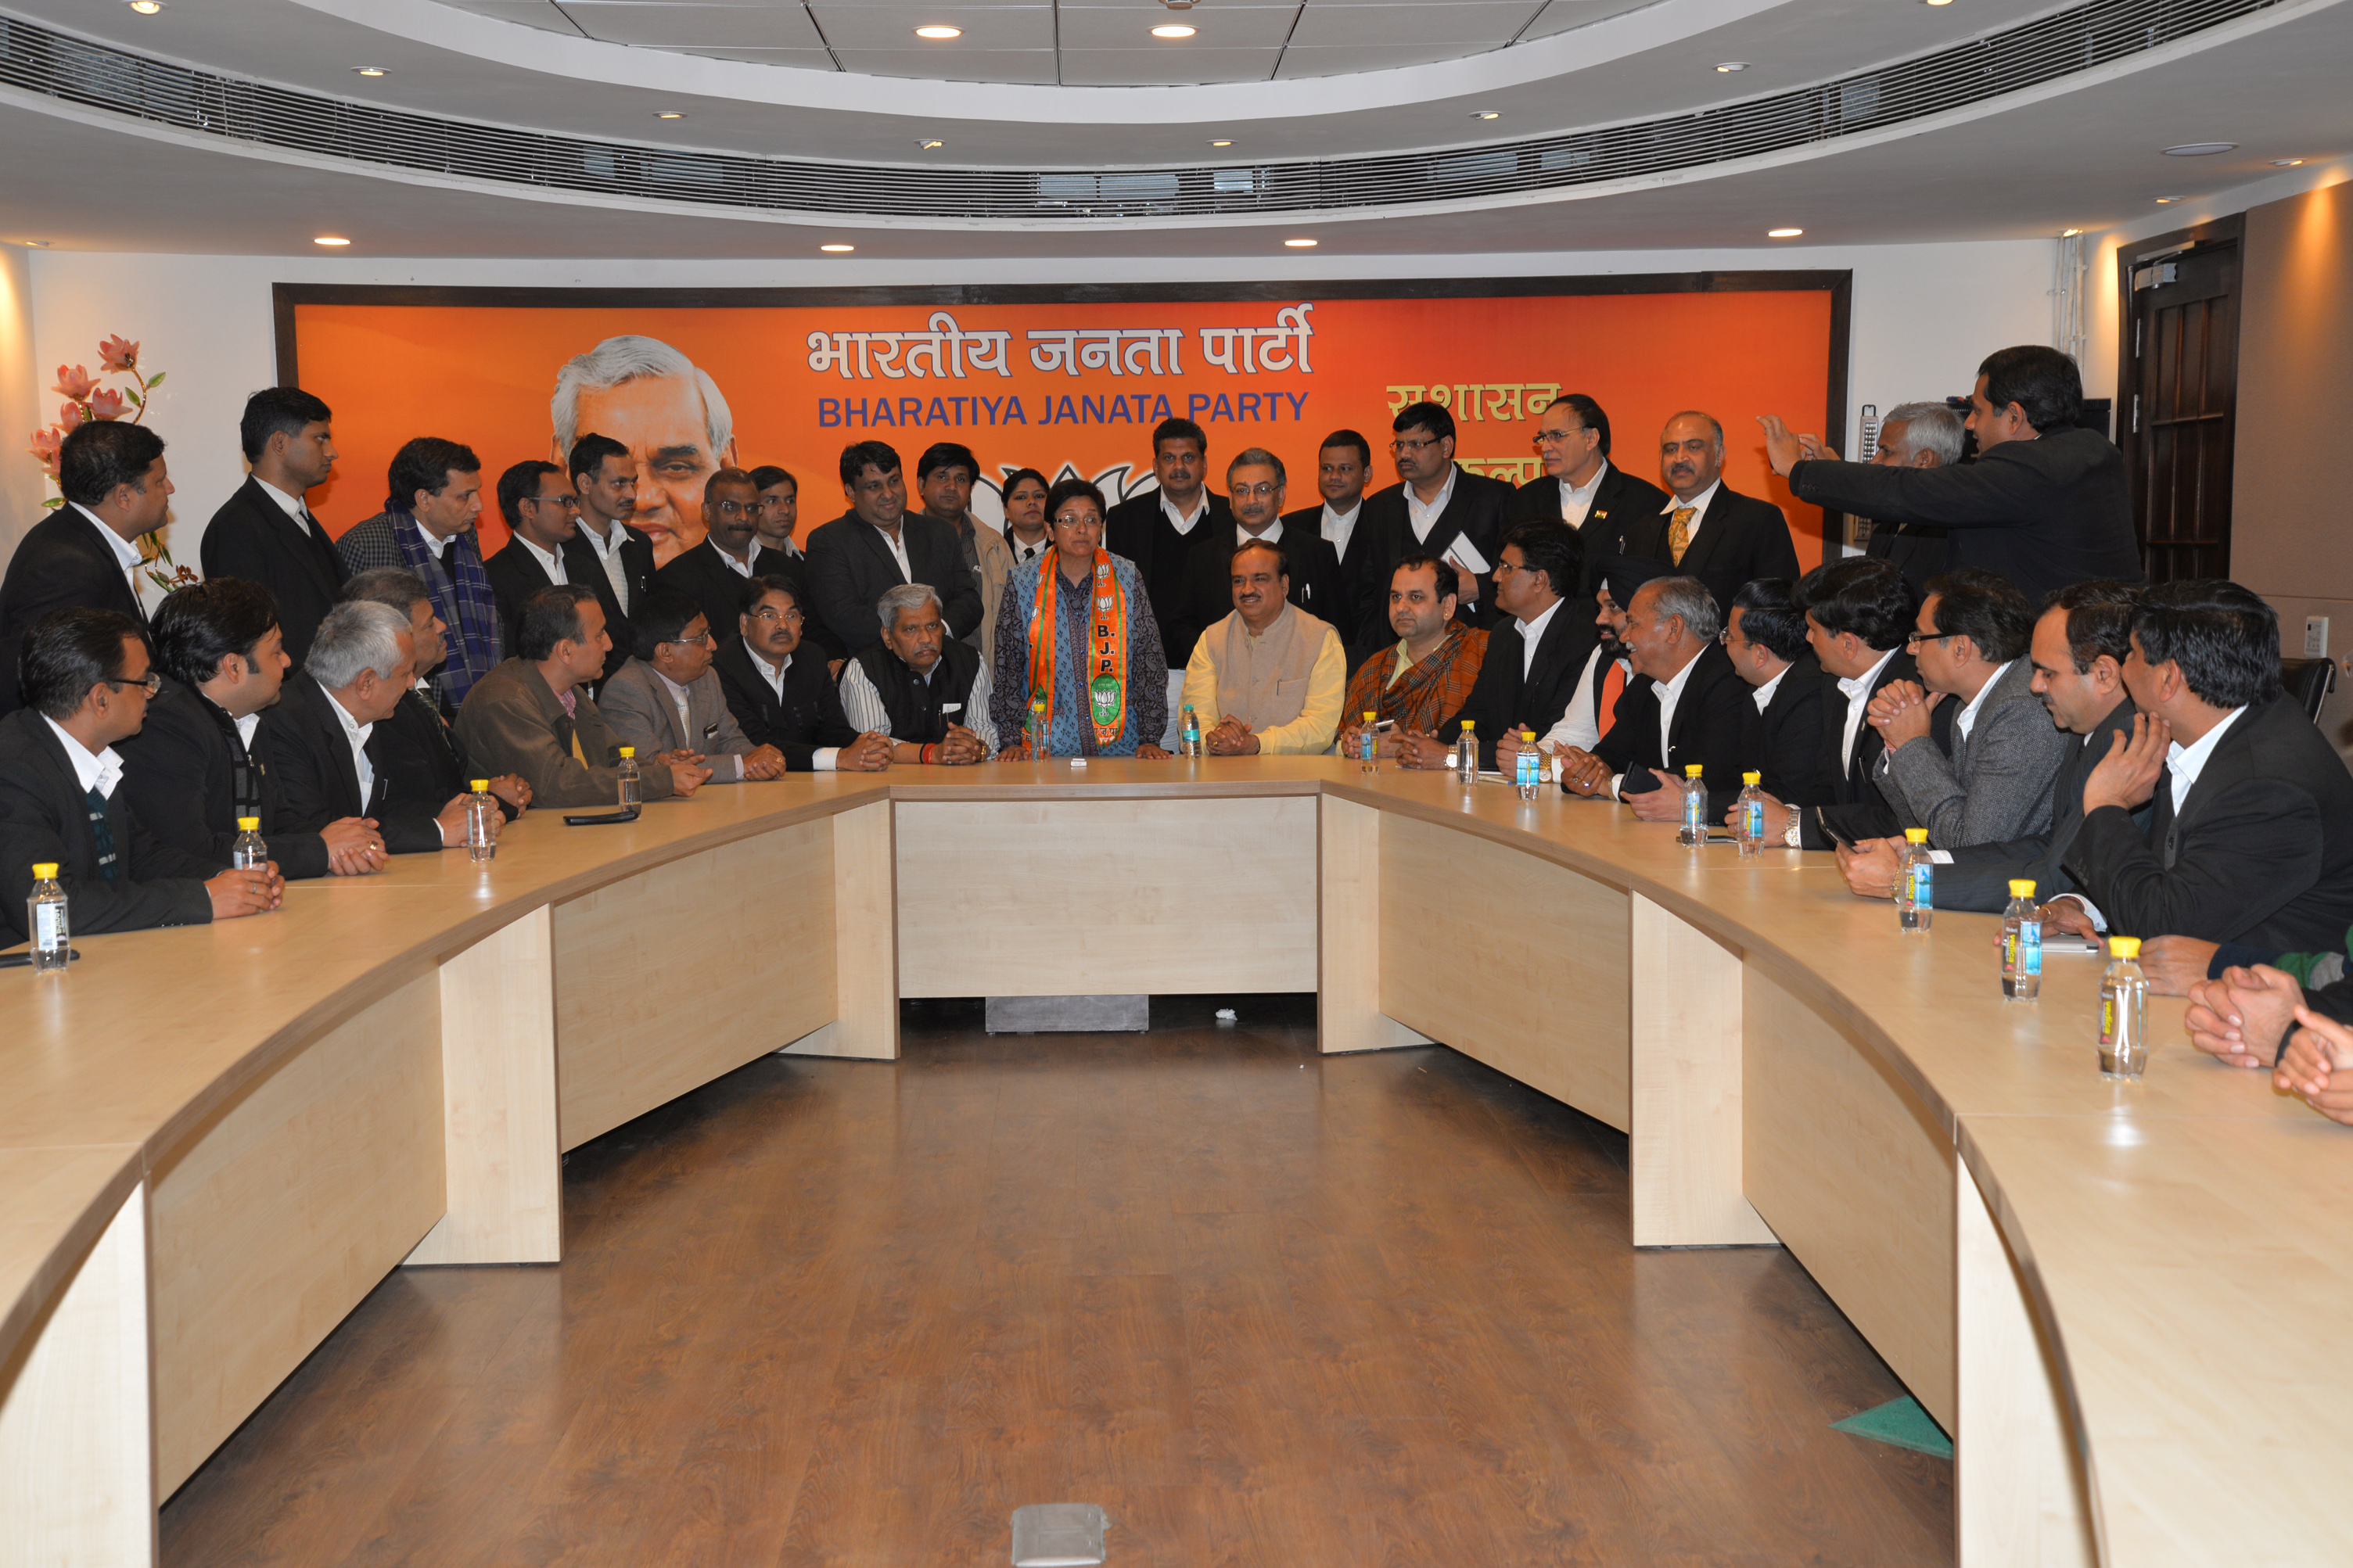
x=2179, y=387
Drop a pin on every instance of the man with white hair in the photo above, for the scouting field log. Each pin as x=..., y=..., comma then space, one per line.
x=1686, y=705
x=360, y=664
x=671, y=416
x=925, y=692
x=1911, y=436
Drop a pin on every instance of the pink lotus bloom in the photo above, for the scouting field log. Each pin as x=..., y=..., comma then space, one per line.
x=45, y=448
x=75, y=382
x=72, y=414
x=107, y=404
x=117, y=355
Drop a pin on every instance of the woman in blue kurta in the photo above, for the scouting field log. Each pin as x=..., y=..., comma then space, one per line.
x=1075, y=632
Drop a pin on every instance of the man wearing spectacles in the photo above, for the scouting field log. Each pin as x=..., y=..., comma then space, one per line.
x=1255, y=486
x=1437, y=507
x=667, y=702
x=1580, y=486
x=782, y=695
x=86, y=682
x=715, y=572
x=543, y=513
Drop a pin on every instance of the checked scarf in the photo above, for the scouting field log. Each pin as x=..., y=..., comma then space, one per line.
x=464, y=600
x=1428, y=694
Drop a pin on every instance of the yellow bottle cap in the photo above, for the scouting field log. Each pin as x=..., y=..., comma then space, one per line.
x=1528, y=737
x=1751, y=778
x=2022, y=887
x=249, y=824
x=1693, y=770
x=45, y=870
x=2123, y=947
x=1468, y=725
x=629, y=751
x=1369, y=718
x=1037, y=707
x=1916, y=835
x=481, y=785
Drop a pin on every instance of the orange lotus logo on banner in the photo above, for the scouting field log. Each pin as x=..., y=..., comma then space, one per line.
x=1066, y=388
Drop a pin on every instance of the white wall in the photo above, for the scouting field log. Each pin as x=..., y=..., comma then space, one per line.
x=21, y=385
x=1922, y=315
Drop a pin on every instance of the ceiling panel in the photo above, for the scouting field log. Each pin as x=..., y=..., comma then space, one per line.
x=1565, y=16
x=1153, y=68
x=803, y=60
x=1337, y=59
x=883, y=27
x=765, y=25
x=1130, y=27
x=530, y=13
x=1461, y=27
x=1034, y=66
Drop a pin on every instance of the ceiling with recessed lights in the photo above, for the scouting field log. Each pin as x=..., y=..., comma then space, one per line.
x=699, y=83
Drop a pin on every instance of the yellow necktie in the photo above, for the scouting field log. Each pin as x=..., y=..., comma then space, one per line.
x=1678, y=533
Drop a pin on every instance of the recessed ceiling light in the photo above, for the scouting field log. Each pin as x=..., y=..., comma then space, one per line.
x=2069, y=233
x=928, y=142
x=939, y=32
x=2167, y=201
x=146, y=8
x=330, y=239
x=2200, y=149
x=2287, y=163
x=370, y=70
x=1300, y=244
x=838, y=249
x=1172, y=30
x=1487, y=114
x=1728, y=67
x=1783, y=233
x=1230, y=143
x=1937, y=2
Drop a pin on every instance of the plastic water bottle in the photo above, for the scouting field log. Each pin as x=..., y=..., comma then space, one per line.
x=1528, y=772
x=1694, y=831
x=1037, y=728
x=632, y=783
x=482, y=823
x=1368, y=747
x=2123, y=1011
x=2021, y=944
x=1748, y=820
x=1916, y=881
x=248, y=853
x=1189, y=739
x=1466, y=756
x=45, y=917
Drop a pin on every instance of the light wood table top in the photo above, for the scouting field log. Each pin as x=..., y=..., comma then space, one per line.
x=2187, y=1233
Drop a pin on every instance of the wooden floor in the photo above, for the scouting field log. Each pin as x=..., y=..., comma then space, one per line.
x=1267, y=1308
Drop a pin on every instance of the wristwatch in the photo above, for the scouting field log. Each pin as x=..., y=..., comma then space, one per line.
x=1789, y=837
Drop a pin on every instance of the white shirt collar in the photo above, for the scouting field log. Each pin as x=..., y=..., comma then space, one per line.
x=433, y=541
x=353, y=731
x=741, y=568
x=126, y=551
x=1180, y=521
x=2184, y=764
x=292, y=506
x=1531, y=633
x=1273, y=534
x=1424, y=516
x=1580, y=497
x=550, y=561
x=1698, y=503
x=245, y=727
x=1763, y=695
x=1966, y=718
x=101, y=772
x=603, y=544
x=1670, y=691
x=1859, y=686
x=1334, y=517
x=774, y=674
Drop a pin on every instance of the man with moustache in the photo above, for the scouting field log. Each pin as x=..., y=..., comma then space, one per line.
x=1533, y=660
x=605, y=481
x=1268, y=678
x=669, y=417
x=427, y=527
x=415, y=752
x=668, y=703
x=1255, y=483
x=1438, y=508
x=1593, y=706
x=1765, y=638
x=543, y=545
x=1343, y=464
x=716, y=573
x=1428, y=678
x=1580, y=485
x=264, y=534
x=781, y=693
x=926, y=693
x=1688, y=706
x=1911, y=436
x=944, y=477
x=878, y=544
x=1704, y=529
x=1159, y=529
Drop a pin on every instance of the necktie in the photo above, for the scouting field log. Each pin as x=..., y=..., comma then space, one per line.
x=1678, y=533
x=1613, y=686
x=102, y=832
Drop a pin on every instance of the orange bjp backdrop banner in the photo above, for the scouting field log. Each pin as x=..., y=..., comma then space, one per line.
x=1062, y=380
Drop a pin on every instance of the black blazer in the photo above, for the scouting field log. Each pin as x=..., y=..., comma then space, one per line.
x=62, y=562
x=303, y=742
x=251, y=537
x=849, y=568
x=2043, y=513
x=1137, y=529
x=807, y=719
x=1359, y=597
x=1980, y=876
x=1474, y=511
x=1209, y=581
x=2261, y=852
x=1740, y=540
x=1500, y=699
x=515, y=574
x=1620, y=503
x=1783, y=743
x=1710, y=727
x=702, y=576
x=1919, y=552
x=178, y=772
x=419, y=764
x=45, y=815
x=1850, y=805
x=636, y=570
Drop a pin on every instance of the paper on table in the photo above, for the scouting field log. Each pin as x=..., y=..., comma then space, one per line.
x=1466, y=557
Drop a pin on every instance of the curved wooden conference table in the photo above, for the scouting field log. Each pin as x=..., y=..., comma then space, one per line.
x=2125, y=1301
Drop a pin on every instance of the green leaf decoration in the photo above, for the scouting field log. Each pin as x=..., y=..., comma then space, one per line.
x=155, y=380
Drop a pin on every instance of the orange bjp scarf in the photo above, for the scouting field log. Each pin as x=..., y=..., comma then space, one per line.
x=1106, y=682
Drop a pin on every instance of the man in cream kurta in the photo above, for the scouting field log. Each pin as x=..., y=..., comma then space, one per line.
x=1268, y=678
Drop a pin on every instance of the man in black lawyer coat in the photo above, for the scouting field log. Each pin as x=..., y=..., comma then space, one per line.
x=1515, y=691
x=83, y=555
x=1573, y=436
x=850, y=564
x=800, y=715
x=1471, y=513
x=265, y=533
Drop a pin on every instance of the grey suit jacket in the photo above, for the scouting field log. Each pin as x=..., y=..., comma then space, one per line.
x=1979, y=877
x=636, y=702
x=1996, y=785
x=512, y=723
